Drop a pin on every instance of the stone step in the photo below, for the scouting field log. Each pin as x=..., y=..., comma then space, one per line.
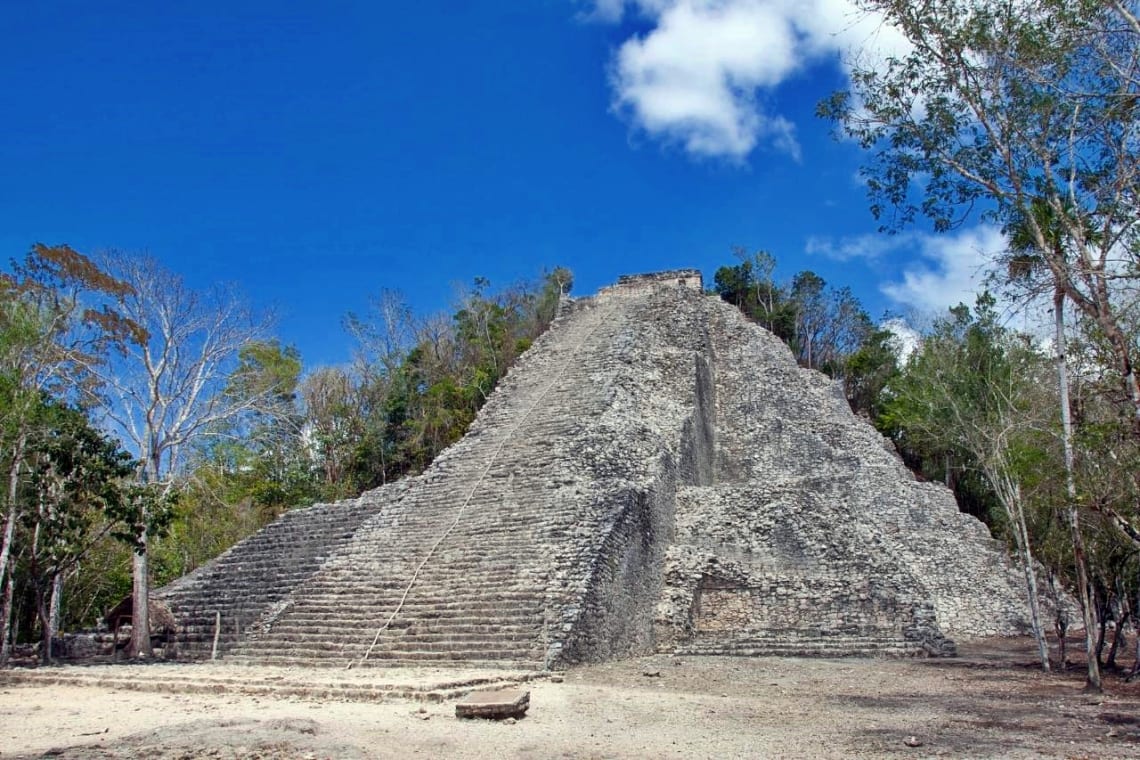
x=442, y=646
x=309, y=686
x=318, y=649
x=357, y=663
x=802, y=645
x=472, y=650
x=497, y=638
x=420, y=594
x=294, y=627
x=801, y=651
x=459, y=654
x=438, y=607
x=459, y=625
x=473, y=585
x=369, y=632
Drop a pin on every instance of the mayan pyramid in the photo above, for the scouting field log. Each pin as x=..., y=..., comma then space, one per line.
x=655, y=474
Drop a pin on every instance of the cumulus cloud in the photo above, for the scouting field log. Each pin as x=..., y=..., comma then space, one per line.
x=699, y=75
x=946, y=269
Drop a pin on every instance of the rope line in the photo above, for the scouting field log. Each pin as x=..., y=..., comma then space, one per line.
x=471, y=494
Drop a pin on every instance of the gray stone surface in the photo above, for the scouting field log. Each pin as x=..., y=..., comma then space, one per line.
x=654, y=474
x=497, y=705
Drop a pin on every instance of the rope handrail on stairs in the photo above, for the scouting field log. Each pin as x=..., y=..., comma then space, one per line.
x=575, y=350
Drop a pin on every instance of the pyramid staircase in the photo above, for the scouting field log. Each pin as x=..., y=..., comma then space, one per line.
x=220, y=600
x=447, y=568
x=655, y=473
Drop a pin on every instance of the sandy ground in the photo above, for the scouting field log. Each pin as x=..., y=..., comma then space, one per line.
x=988, y=703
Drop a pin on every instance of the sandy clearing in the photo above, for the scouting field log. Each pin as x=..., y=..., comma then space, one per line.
x=985, y=704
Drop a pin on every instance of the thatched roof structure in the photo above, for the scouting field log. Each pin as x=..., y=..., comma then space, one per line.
x=161, y=619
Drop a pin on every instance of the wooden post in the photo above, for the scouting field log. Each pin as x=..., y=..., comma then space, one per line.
x=217, y=633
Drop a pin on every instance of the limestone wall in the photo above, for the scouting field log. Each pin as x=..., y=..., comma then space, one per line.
x=616, y=613
x=655, y=436
x=815, y=530
x=647, y=284
x=654, y=473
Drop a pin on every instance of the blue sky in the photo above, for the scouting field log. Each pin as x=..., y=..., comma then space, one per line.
x=315, y=153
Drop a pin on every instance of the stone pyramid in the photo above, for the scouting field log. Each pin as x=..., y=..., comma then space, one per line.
x=655, y=474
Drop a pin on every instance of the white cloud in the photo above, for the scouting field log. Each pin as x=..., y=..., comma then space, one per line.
x=866, y=247
x=947, y=269
x=697, y=77
x=904, y=339
x=939, y=272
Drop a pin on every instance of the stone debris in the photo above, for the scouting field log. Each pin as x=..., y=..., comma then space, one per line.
x=654, y=474
x=495, y=705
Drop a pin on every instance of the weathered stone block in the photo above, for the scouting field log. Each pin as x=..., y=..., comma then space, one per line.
x=495, y=705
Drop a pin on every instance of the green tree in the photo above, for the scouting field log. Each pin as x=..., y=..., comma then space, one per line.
x=269, y=433
x=417, y=384
x=869, y=371
x=167, y=392
x=1014, y=108
x=1029, y=230
x=73, y=495
x=245, y=472
x=822, y=325
x=52, y=341
x=336, y=414
x=556, y=285
x=973, y=388
x=751, y=287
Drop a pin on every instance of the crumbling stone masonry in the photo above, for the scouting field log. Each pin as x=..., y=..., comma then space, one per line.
x=655, y=474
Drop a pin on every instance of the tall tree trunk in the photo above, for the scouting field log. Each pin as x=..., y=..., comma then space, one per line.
x=140, y=560
x=1102, y=613
x=1034, y=599
x=1135, y=605
x=140, y=603
x=55, y=604
x=43, y=613
x=1092, y=682
x=1060, y=621
x=47, y=608
x=1009, y=494
x=6, y=612
x=6, y=581
x=6, y=576
x=1117, y=634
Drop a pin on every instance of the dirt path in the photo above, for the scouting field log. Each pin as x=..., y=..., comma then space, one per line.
x=985, y=704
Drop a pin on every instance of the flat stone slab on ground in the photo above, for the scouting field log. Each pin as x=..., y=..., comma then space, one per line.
x=506, y=703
